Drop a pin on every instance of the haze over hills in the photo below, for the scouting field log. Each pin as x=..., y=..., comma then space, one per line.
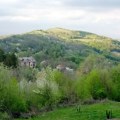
x=58, y=45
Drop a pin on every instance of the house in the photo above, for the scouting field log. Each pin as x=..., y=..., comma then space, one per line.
x=27, y=62
x=69, y=69
x=63, y=68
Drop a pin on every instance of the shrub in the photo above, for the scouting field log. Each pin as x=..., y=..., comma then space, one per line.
x=4, y=116
x=66, y=86
x=11, y=98
x=115, y=81
x=95, y=85
x=46, y=88
x=82, y=90
x=14, y=99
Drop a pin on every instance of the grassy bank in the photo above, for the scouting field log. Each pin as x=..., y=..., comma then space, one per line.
x=87, y=112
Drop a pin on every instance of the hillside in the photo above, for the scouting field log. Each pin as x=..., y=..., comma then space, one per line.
x=80, y=68
x=61, y=46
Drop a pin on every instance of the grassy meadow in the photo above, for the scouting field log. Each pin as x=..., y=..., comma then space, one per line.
x=95, y=111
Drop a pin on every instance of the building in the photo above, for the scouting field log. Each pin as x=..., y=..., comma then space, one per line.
x=27, y=62
x=63, y=68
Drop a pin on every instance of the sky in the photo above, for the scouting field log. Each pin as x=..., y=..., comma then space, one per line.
x=96, y=16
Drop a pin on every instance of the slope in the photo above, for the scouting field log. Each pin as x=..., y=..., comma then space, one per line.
x=61, y=46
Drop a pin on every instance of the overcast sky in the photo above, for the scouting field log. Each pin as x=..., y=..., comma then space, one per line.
x=97, y=16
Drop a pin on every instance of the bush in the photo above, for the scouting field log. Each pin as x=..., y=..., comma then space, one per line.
x=82, y=90
x=11, y=98
x=115, y=81
x=4, y=116
x=29, y=74
x=95, y=85
x=66, y=86
x=47, y=88
x=14, y=99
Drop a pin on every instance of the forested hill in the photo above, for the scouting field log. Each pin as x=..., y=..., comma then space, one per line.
x=61, y=46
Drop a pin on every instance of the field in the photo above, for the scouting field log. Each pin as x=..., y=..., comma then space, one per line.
x=95, y=111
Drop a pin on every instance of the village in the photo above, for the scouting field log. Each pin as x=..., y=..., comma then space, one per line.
x=31, y=62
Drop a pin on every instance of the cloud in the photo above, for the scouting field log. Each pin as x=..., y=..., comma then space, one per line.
x=92, y=3
x=90, y=15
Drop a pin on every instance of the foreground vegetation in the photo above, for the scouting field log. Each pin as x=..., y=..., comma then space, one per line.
x=95, y=111
x=24, y=92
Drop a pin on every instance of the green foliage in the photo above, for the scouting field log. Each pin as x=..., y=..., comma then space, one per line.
x=46, y=89
x=27, y=73
x=2, y=55
x=82, y=90
x=95, y=85
x=66, y=86
x=95, y=79
x=14, y=100
x=4, y=116
x=9, y=59
x=94, y=62
x=115, y=81
x=10, y=97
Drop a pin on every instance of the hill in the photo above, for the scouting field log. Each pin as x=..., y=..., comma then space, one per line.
x=61, y=46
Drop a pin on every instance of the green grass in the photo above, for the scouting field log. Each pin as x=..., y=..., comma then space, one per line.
x=87, y=112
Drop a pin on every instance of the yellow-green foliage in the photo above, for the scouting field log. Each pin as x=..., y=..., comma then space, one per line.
x=11, y=98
